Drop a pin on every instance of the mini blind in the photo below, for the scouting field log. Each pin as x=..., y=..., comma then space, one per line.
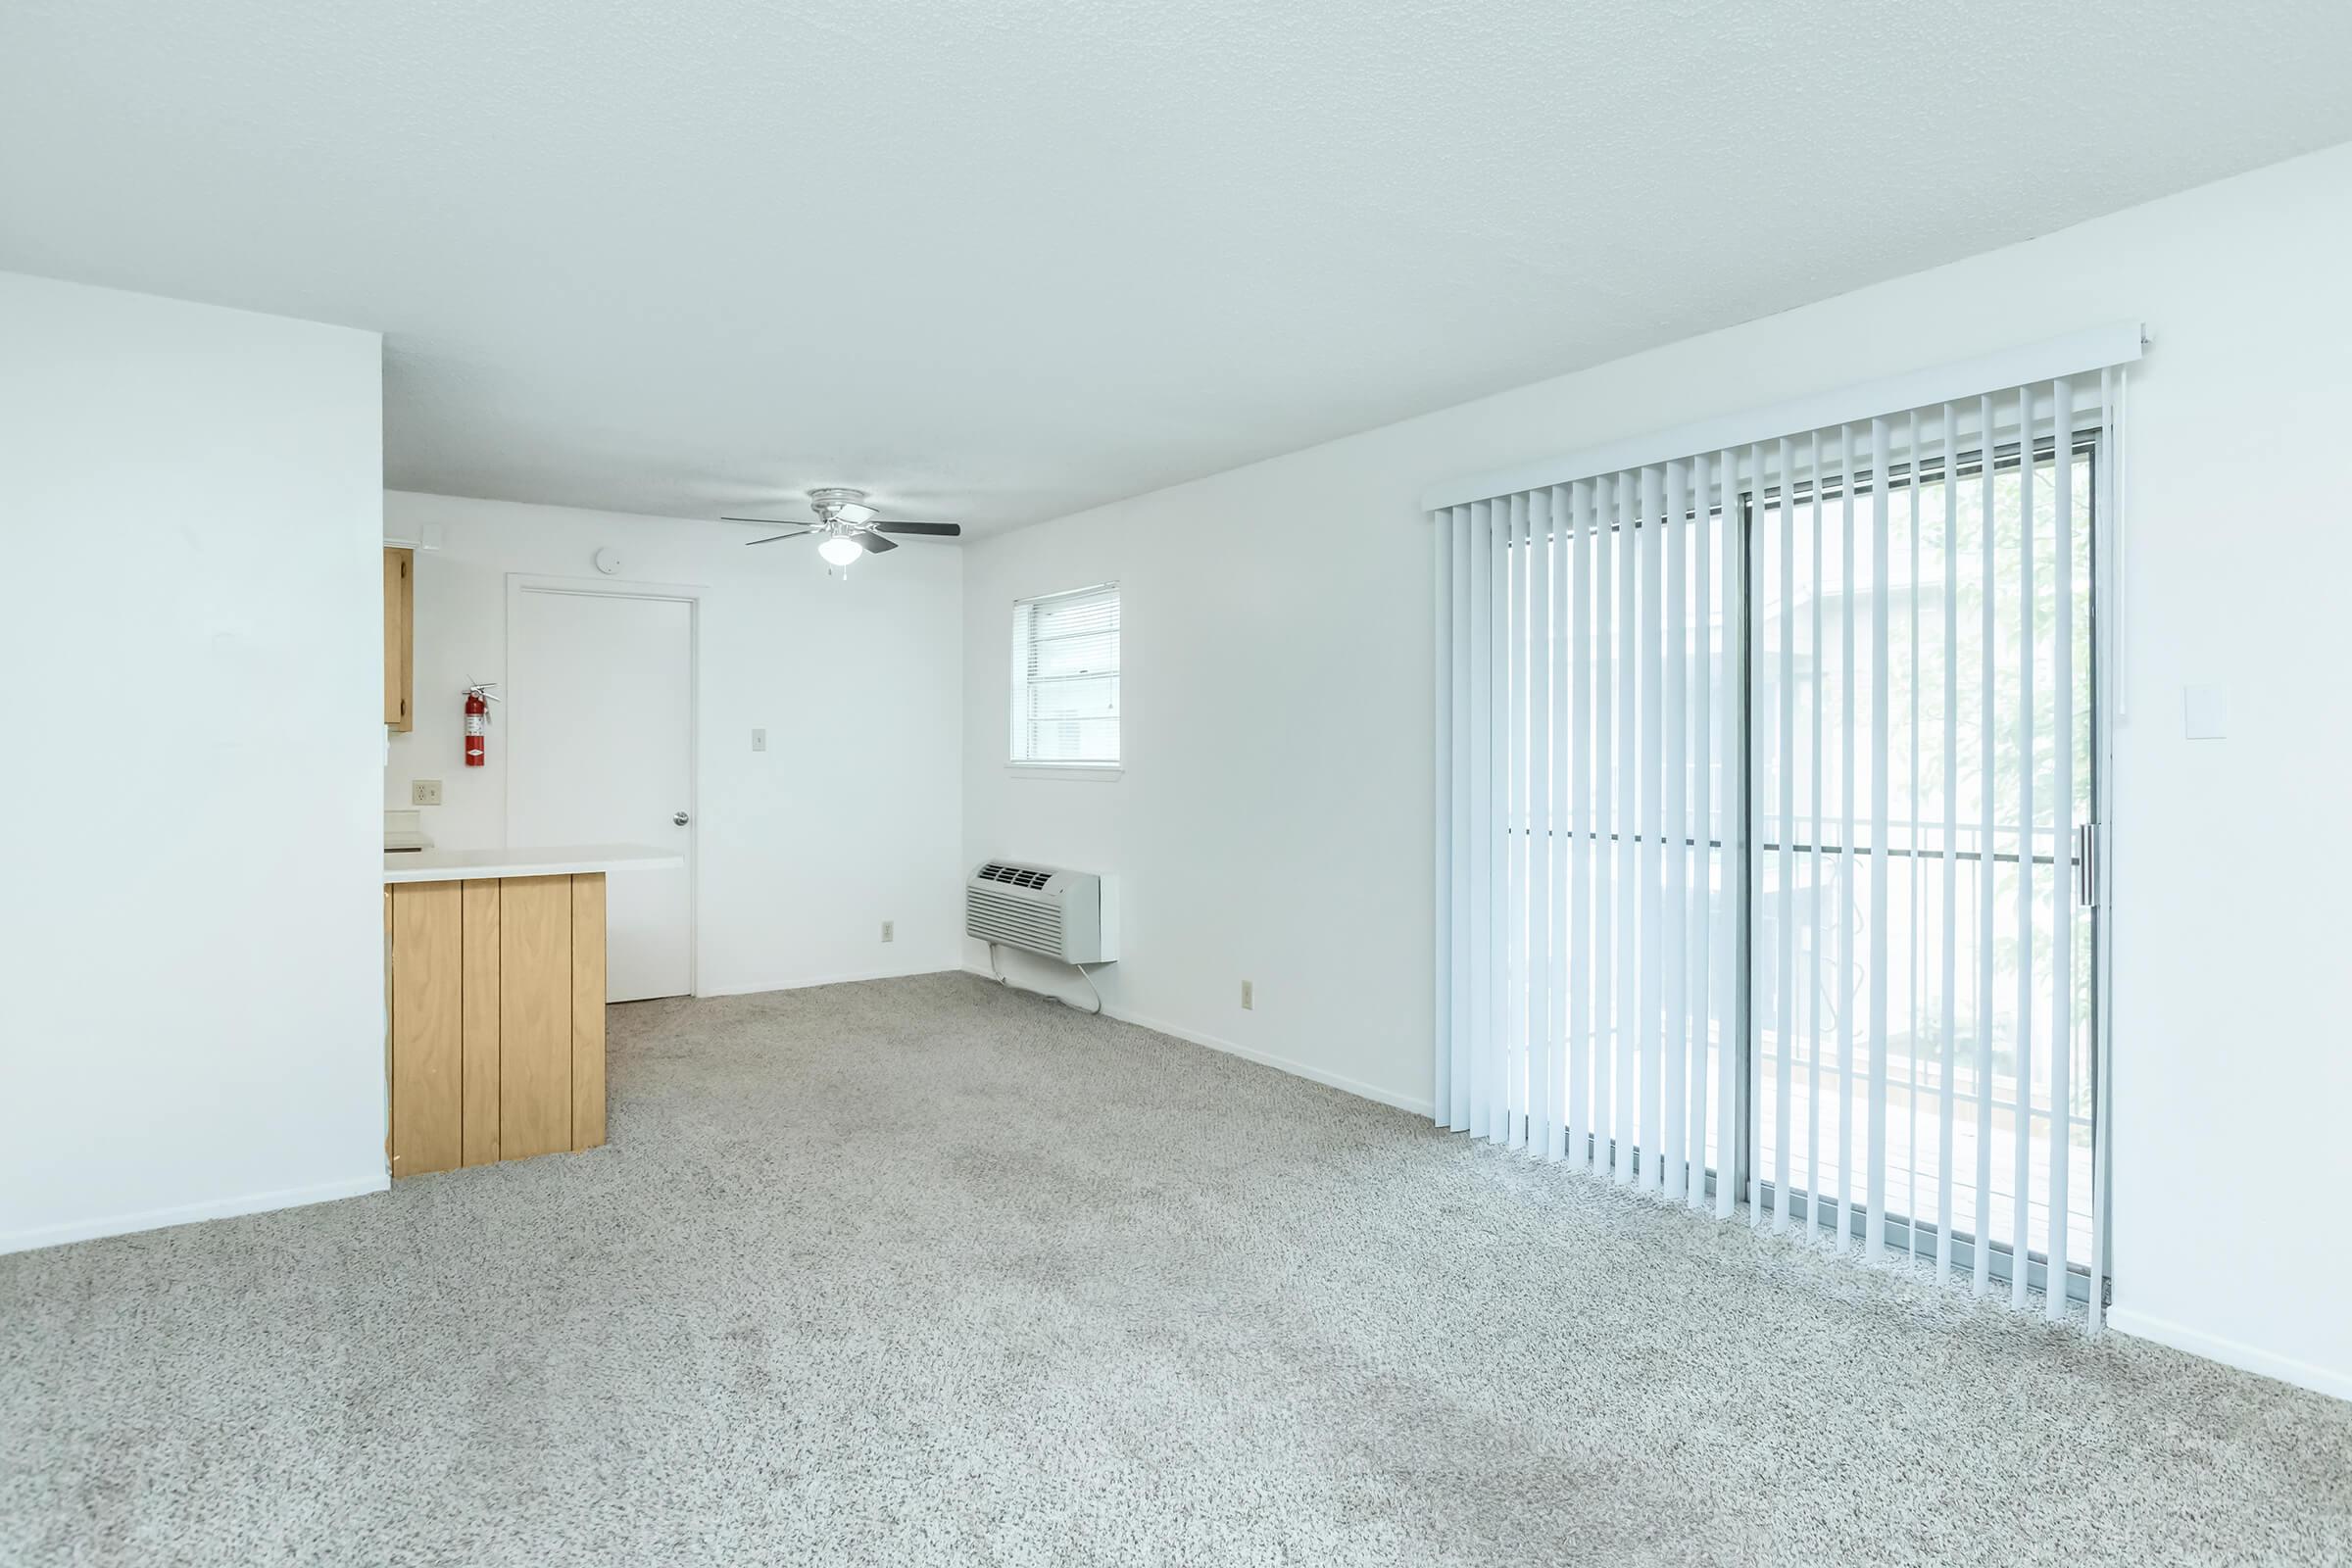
x=1767, y=787
x=1065, y=678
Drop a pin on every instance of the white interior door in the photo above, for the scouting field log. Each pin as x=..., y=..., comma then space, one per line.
x=601, y=711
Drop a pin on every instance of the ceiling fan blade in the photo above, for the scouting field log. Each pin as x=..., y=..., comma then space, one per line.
x=875, y=544
x=773, y=538
x=770, y=523
x=937, y=530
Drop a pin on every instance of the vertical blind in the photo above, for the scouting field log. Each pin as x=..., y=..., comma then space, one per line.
x=1589, y=772
x=1065, y=678
x=1765, y=781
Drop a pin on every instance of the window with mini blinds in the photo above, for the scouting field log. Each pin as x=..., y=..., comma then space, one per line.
x=1065, y=679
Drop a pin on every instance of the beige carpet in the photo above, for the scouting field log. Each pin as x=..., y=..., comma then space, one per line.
x=922, y=1271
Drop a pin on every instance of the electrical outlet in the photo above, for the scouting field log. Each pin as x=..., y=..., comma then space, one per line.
x=425, y=792
x=758, y=740
x=1249, y=996
x=889, y=931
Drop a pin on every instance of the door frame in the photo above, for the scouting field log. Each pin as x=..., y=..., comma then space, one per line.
x=690, y=595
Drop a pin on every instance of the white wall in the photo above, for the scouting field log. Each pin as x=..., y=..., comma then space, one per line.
x=1274, y=821
x=854, y=814
x=191, y=981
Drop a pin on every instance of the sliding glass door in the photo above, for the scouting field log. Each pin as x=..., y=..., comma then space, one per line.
x=1764, y=782
x=1919, y=722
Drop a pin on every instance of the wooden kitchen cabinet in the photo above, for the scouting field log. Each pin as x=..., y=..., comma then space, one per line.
x=497, y=1019
x=399, y=638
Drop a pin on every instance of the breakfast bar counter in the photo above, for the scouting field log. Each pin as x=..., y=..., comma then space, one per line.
x=470, y=865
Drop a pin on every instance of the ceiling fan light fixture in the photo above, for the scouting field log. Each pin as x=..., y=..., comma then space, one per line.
x=840, y=550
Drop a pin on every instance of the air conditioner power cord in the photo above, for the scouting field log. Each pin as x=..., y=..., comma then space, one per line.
x=1005, y=979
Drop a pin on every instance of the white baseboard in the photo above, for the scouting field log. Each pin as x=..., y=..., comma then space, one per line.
x=2231, y=1352
x=803, y=983
x=155, y=1220
x=1265, y=1059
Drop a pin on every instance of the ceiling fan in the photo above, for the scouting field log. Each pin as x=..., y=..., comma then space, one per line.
x=848, y=526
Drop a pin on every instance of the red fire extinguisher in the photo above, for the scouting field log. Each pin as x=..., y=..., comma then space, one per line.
x=478, y=698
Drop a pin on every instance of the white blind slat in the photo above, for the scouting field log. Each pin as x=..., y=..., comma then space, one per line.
x=1847, y=783
x=1650, y=853
x=1914, y=879
x=2021, y=1136
x=1732, y=1052
x=1510, y=1103
x=1494, y=1043
x=1947, y=1099
x=1563, y=534
x=1605, y=818
x=1455, y=1085
x=1442, y=900
x=1581, y=979
x=2060, y=1143
x=1483, y=827
x=1817, y=862
x=1536, y=1132
x=1740, y=493
x=1882, y=676
x=1987, y=769
x=2106, y=506
x=1699, y=898
x=1674, y=907
x=1783, y=753
x=1626, y=1025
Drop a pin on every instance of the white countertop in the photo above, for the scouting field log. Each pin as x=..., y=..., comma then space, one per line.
x=466, y=865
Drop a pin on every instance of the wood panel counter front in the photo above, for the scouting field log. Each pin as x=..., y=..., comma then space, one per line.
x=497, y=999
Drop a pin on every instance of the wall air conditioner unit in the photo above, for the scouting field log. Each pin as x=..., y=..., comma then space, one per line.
x=1069, y=916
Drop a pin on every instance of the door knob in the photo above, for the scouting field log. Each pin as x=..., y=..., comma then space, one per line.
x=680, y=820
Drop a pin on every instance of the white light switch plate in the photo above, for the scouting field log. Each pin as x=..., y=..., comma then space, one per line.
x=425, y=792
x=758, y=740
x=2204, y=713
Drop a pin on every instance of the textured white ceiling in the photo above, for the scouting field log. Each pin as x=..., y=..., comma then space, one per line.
x=999, y=260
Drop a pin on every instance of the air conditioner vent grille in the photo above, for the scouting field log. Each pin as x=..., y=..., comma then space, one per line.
x=1017, y=923
x=1019, y=876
